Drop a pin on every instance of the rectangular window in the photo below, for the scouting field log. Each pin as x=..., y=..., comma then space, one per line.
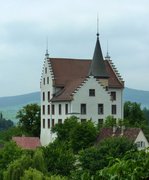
x=113, y=96
x=53, y=109
x=48, y=123
x=43, y=109
x=91, y=92
x=48, y=95
x=100, y=121
x=83, y=108
x=66, y=108
x=44, y=81
x=100, y=109
x=53, y=123
x=43, y=123
x=60, y=109
x=48, y=109
x=113, y=109
x=59, y=121
x=43, y=96
x=46, y=70
x=47, y=80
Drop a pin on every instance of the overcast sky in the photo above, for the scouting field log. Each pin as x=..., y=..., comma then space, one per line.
x=71, y=30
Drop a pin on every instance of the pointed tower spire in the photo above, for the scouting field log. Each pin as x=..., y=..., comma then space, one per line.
x=97, y=68
x=107, y=57
x=47, y=54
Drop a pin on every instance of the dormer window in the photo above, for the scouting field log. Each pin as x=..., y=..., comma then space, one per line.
x=91, y=92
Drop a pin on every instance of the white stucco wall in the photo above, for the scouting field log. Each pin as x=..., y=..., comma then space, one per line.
x=45, y=134
x=141, y=138
x=101, y=97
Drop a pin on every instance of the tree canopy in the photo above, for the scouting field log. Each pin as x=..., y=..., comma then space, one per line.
x=29, y=119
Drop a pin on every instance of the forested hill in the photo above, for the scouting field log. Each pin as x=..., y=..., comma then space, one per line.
x=19, y=100
x=138, y=96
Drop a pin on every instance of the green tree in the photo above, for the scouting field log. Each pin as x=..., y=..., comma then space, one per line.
x=16, y=168
x=8, y=153
x=134, y=114
x=146, y=114
x=33, y=174
x=78, y=135
x=39, y=161
x=5, y=124
x=29, y=119
x=83, y=135
x=63, y=131
x=98, y=157
x=59, y=158
x=9, y=133
x=134, y=165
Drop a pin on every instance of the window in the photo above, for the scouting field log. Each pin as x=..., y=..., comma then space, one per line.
x=43, y=109
x=100, y=121
x=60, y=109
x=83, y=120
x=59, y=121
x=47, y=80
x=83, y=108
x=48, y=123
x=46, y=70
x=91, y=92
x=53, y=123
x=66, y=108
x=44, y=81
x=48, y=109
x=43, y=123
x=43, y=96
x=113, y=109
x=113, y=96
x=140, y=144
x=100, y=109
x=53, y=109
x=48, y=95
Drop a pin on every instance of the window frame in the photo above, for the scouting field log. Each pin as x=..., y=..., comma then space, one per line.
x=83, y=109
x=91, y=92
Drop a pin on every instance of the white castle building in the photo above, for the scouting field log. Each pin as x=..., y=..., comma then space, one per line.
x=89, y=89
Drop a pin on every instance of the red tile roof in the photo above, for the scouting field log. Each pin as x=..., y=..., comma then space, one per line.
x=27, y=142
x=130, y=133
x=70, y=73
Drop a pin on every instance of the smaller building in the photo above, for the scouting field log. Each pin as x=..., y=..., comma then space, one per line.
x=136, y=135
x=27, y=142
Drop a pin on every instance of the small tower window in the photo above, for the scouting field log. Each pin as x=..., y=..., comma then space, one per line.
x=91, y=92
x=113, y=109
x=46, y=70
x=48, y=123
x=43, y=123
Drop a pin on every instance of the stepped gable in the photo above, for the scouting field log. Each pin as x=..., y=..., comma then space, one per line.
x=114, y=81
x=130, y=133
x=69, y=74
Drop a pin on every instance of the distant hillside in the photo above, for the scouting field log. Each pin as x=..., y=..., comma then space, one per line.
x=138, y=96
x=10, y=105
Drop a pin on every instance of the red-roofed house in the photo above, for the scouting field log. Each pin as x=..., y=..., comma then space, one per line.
x=89, y=89
x=27, y=142
x=136, y=135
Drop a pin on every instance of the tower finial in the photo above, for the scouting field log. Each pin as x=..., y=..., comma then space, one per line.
x=107, y=57
x=97, y=25
x=47, y=54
